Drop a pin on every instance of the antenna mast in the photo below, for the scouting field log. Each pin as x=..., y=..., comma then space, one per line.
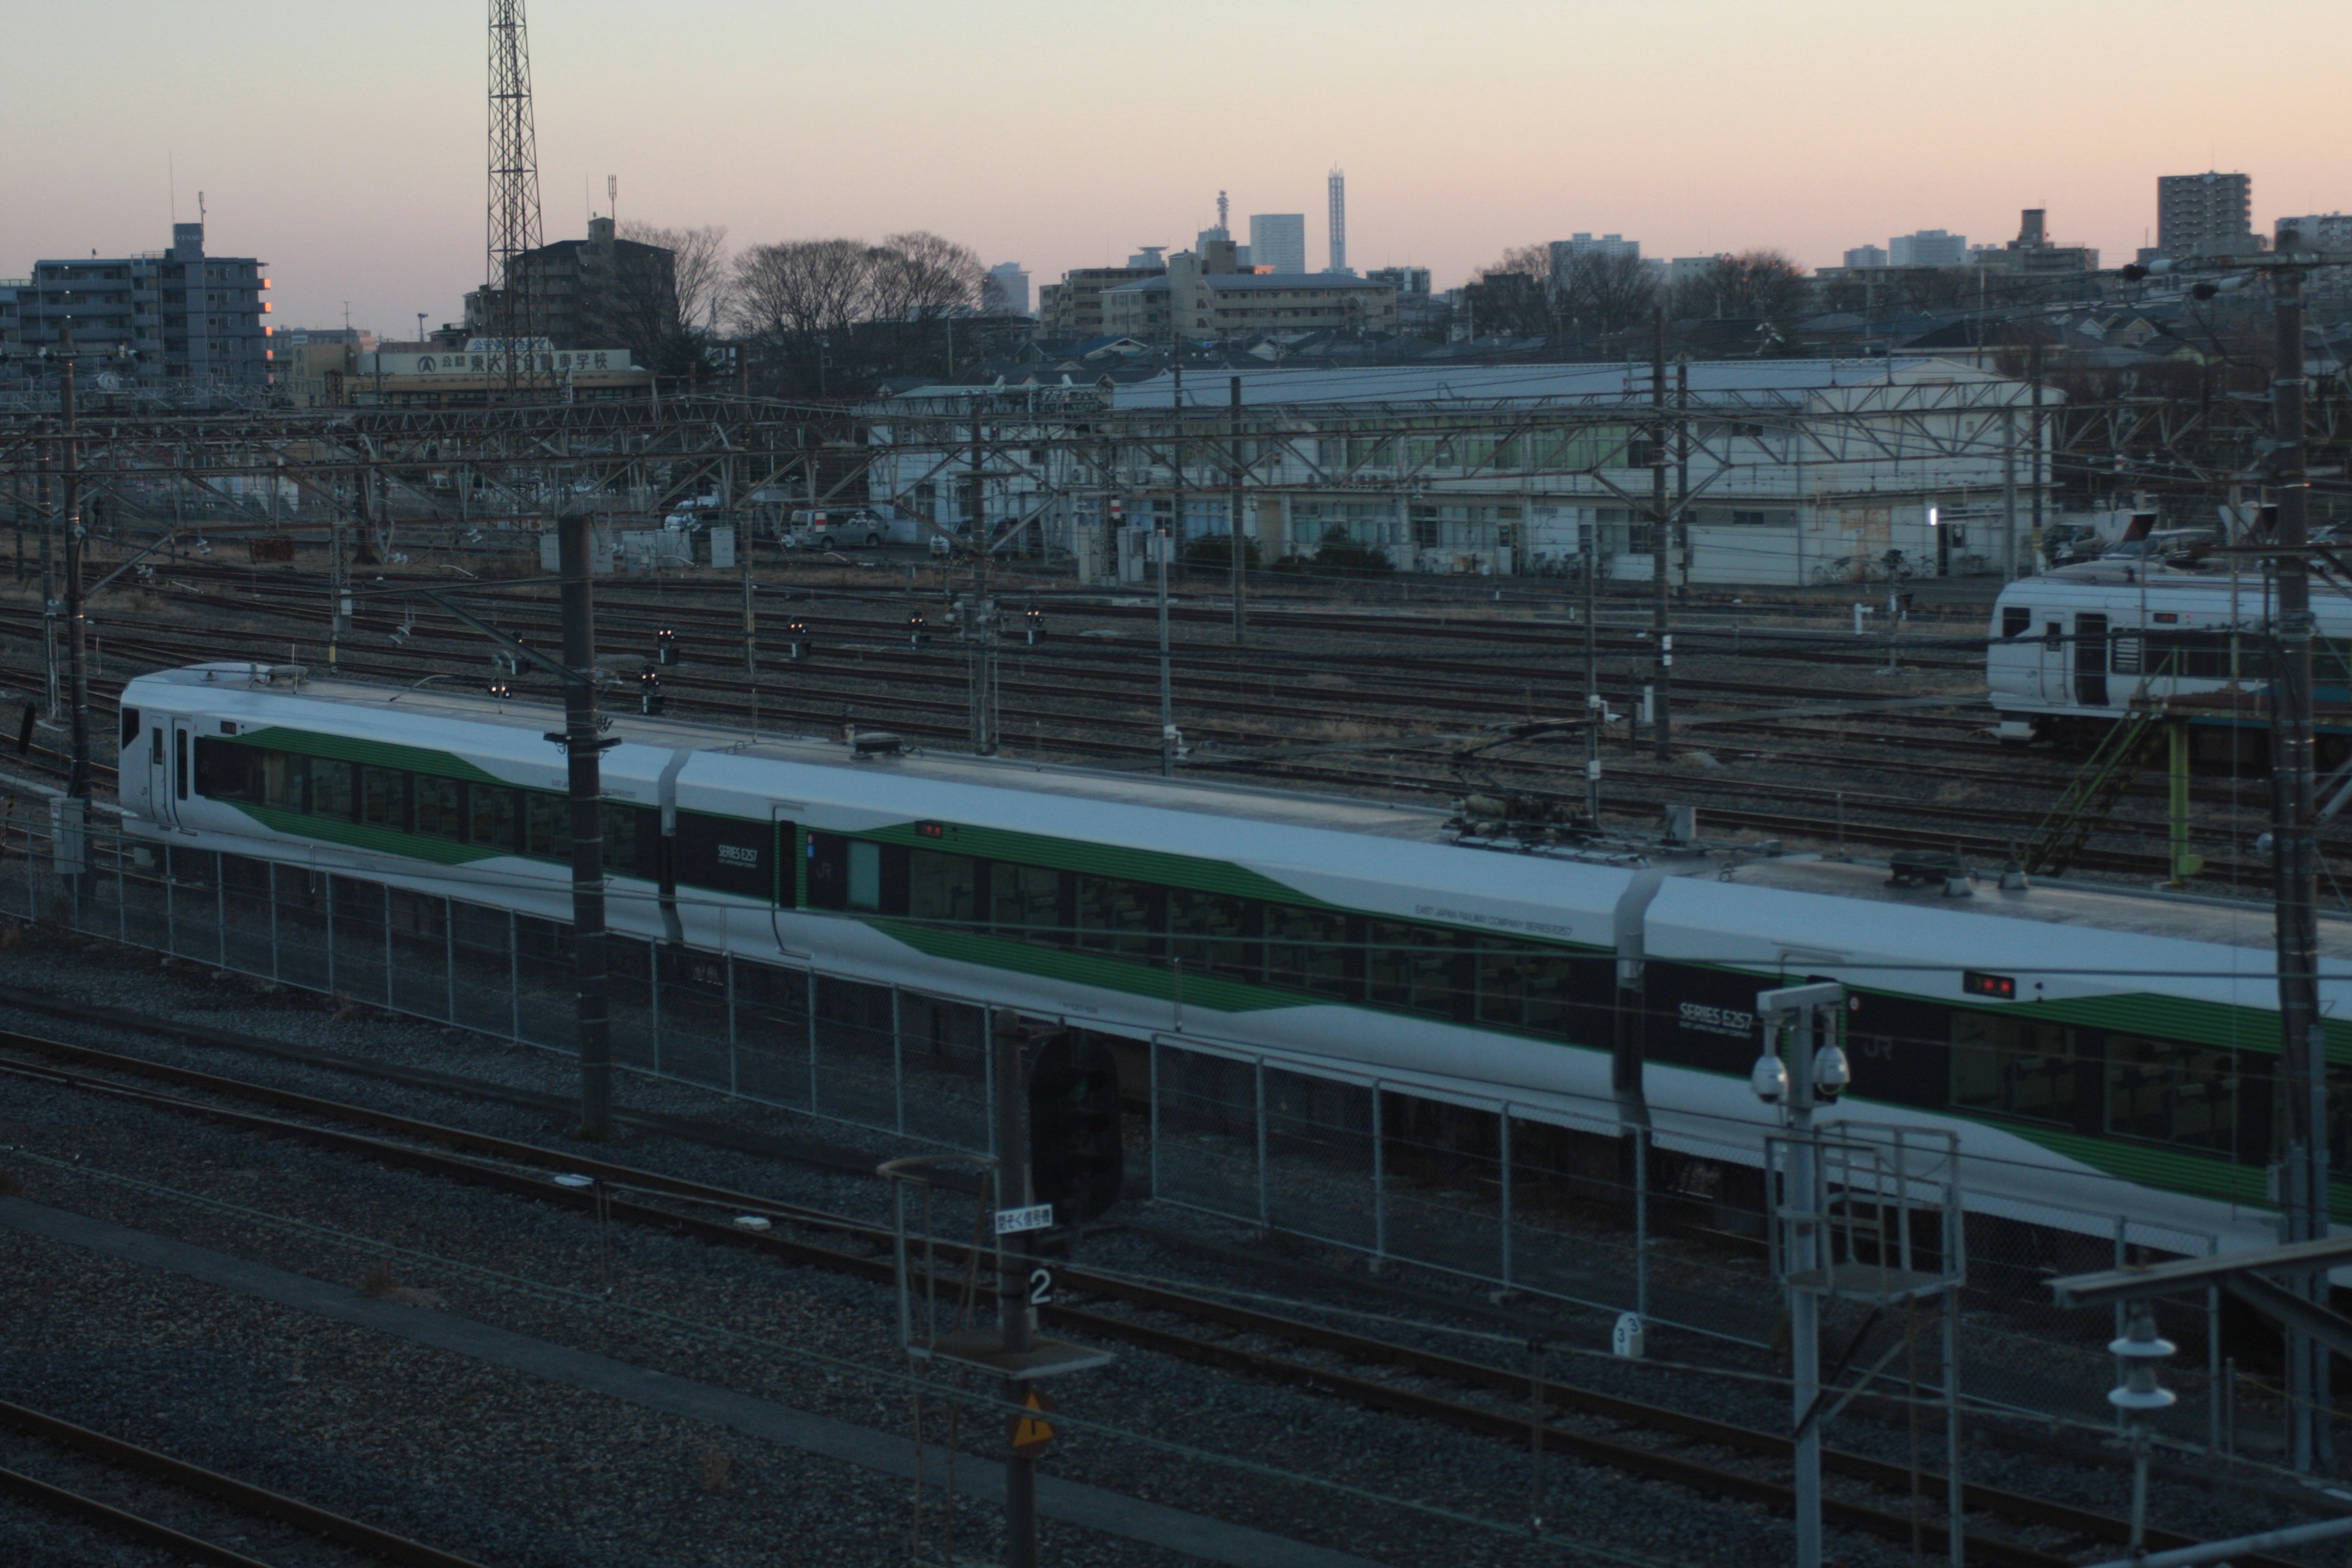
x=515, y=315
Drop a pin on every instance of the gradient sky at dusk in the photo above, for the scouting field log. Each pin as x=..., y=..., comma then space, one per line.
x=342, y=142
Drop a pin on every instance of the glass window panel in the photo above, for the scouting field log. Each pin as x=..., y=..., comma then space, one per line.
x=383, y=797
x=2013, y=1067
x=1028, y=903
x=547, y=826
x=865, y=875
x=944, y=888
x=333, y=789
x=2172, y=1092
x=1307, y=949
x=440, y=806
x=497, y=819
x=1409, y=967
x=286, y=780
x=1119, y=916
x=1211, y=933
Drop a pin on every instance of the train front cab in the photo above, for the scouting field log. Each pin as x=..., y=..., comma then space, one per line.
x=2047, y=668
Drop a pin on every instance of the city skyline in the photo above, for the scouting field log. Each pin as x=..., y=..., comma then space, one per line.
x=350, y=159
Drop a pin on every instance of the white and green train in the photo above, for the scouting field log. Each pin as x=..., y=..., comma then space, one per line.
x=2093, y=1050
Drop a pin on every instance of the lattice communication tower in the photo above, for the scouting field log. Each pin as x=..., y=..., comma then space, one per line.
x=516, y=310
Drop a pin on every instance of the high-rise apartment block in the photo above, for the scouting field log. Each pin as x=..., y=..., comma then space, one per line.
x=1863, y=255
x=1927, y=248
x=1006, y=291
x=2317, y=231
x=1278, y=240
x=2210, y=214
x=1338, y=214
x=181, y=315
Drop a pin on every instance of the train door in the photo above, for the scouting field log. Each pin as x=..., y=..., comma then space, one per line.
x=788, y=860
x=170, y=752
x=2091, y=660
x=2050, y=674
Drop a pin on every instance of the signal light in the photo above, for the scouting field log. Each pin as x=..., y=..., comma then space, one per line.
x=1977, y=982
x=1078, y=1155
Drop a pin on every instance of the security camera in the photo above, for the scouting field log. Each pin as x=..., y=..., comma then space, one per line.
x=1770, y=1081
x=1831, y=1072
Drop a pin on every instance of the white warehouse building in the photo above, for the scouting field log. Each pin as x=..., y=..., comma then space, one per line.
x=1790, y=471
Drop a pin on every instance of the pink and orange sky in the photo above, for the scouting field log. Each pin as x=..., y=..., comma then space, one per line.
x=343, y=141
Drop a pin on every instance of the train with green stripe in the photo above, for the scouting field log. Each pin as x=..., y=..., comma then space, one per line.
x=2095, y=1050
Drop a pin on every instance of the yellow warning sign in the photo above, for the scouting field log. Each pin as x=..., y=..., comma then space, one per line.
x=1032, y=1433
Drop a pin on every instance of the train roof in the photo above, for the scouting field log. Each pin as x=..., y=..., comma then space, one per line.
x=2119, y=911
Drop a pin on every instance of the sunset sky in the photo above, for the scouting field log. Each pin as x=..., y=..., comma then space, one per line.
x=342, y=142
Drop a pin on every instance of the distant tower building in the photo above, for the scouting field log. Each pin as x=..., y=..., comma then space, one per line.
x=1224, y=213
x=1338, y=185
x=1865, y=256
x=1927, y=248
x=1006, y=292
x=2210, y=214
x=1278, y=240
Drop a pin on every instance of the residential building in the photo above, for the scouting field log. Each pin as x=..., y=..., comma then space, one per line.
x=181, y=315
x=1865, y=256
x=2033, y=254
x=1071, y=311
x=593, y=292
x=1417, y=309
x=1278, y=240
x=1150, y=257
x=1927, y=248
x=1519, y=468
x=1006, y=291
x=2318, y=231
x=1192, y=302
x=2210, y=214
x=1685, y=269
x=1566, y=253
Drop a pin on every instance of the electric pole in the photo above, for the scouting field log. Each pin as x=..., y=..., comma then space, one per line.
x=2296, y=860
x=77, y=622
x=1013, y=1308
x=583, y=745
x=1595, y=709
x=980, y=615
x=1662, y=713
x=1241, y=556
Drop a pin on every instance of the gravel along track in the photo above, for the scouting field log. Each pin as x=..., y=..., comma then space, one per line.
x=1213, y=1411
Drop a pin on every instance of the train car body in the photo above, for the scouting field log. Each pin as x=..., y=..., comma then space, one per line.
x=2073, y=1039
x=2078, y=647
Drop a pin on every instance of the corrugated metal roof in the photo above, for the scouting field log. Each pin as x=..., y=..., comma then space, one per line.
x=1744, y=381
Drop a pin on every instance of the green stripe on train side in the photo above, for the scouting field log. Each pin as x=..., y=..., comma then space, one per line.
x=376, y=840
x=1196, y=873
x=1098, y=970
x=2176, y=1018
x=382, y=753
x=2174, y=1170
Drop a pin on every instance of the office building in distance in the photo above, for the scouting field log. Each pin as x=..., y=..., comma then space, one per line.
x=175, y=316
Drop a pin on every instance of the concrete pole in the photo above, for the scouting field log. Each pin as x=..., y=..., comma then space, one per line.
x=77, y=621
x=1241, y=555
x=1805, y=1306
x=1163, y=547
x=1661, y=632
x=1013, y=1308
x=2008, y=494
x=2295, y=858
x=583, y=750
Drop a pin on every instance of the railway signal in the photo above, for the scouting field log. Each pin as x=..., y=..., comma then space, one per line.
x=665, y=648
x=650, y=700
x=1033, y=621
x=796, y=639
x=915, y=625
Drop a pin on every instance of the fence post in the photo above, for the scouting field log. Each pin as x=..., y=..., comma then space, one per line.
x=1380, y=1180
x=897, y=1064
x=1151, y=1070
x=2123, y=1245
x=449, y=959
x=514, y=981
x=1503, y=1149
x=734, y=1064
x=1257, y=1076
x=808, y=1037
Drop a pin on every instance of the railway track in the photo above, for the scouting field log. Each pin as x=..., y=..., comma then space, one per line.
x=364, y=1542
x=2008, y=1529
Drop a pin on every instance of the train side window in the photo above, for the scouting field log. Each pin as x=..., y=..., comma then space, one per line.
x=496, y=819
x=226, y=771
x=1119, y=916
x=1026, y=903
x=788, y=892
x=943, y=888
x=2013, y=1067
x=130, y=727
x=2053, y=632
x=2171, y=1092
x=864, y=881
x=286, y=780
x=1523, y=985
x=180, y=761
x=155, y=747
x=1409, y=968
x=828, y=871
x=2016, y=620
x=1306, y=950
x=1211, y=933
x=383, y=797
x=440, y=807
x=333, y=789
x=546, y=825
x=724, y=854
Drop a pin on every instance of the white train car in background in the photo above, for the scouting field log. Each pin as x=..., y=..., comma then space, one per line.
x=2070, y=652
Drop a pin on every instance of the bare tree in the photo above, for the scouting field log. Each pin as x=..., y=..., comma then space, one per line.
x=802, y=289
x=700, y=275
x=919, y=276
x=1763, y=284
x=1606, y=291
x=1513, y=294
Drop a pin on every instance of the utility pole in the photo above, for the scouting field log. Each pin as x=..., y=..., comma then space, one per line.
x=1013, y=1312
x=1594, y=708
x=1163, y=547
x=2033, y=432
x=2008, y=494
x=77, y=622
x=1661, y=715
x=980, y=615
x=583, y=745
x=53, y=690
x=2294, y=842
x=1241, y=557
